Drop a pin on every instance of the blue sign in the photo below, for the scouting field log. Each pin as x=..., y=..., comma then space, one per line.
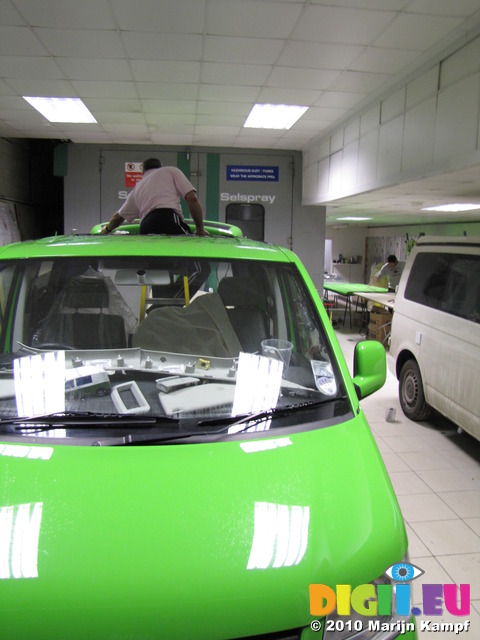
x=252, y=173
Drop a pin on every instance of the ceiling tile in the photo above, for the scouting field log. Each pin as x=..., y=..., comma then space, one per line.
x=341, y=25
x=340, y=99
x=219, y=108
x=242, y=50
x=169, y=106
x=120, y=119
x=316, y=79
x=380, y=60
x=160, y=71
x=99, y=89
x=87, y=14
x=222, y=122
x=416, y=32
x=29, y=67
x=20, y=41
x=14, y=103
x=166, y=90
x=255, y=18
x=167, y=120
x=172, y=138
x=95, y=69
x=239, y=74
x=227, y=93
x=144, y=45
x=357, y=81
x=9, y=15
x=111, y=104
x=81, y=43
x=162, y=16
x=288, y=95
x=313, y=55
x=42, y=87
x=462, y=8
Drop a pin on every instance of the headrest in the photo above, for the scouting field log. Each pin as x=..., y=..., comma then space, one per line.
x=239, y=292
x=86, y=292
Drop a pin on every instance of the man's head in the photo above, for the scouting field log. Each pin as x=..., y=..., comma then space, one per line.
x=392, y=261
x=151, y=163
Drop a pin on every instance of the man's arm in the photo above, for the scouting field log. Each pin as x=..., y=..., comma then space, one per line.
x=195, y=209
x=115, y=221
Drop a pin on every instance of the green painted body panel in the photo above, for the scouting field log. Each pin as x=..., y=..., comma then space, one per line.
x=214, y=228
x=154, y=542
x=114, y=245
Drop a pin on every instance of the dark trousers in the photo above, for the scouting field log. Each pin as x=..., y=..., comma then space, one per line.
x=168, y=222
x=164, y=222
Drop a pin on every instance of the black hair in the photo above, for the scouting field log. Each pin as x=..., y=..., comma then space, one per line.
x=392, y=258
x=151, y=163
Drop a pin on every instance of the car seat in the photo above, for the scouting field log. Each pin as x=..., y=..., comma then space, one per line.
x=245, y=304
x=81, y=318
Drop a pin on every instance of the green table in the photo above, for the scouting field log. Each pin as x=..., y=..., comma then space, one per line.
x=349, y=289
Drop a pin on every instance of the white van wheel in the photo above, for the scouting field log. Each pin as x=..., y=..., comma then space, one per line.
x=411, y=395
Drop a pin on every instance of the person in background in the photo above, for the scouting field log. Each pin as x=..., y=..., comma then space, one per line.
x=393, y=270
x=156, y=198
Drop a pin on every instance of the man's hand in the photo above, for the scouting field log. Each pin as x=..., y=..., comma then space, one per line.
x=115, y=221
x=196, y=212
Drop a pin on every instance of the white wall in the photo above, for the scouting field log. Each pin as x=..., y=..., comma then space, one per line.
x=428, y=126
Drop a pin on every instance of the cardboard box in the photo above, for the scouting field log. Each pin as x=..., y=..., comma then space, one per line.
x=379, y=332
x=379, y=319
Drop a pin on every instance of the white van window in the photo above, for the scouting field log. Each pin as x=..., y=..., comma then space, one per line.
x=447, y=282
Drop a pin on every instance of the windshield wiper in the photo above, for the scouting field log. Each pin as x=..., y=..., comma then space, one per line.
x=233, y=421
x=84, y=419
x=239, y=423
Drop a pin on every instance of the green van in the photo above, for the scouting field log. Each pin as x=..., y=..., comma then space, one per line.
x=225, y=466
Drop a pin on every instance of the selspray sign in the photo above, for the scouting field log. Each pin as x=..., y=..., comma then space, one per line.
x=252, y=173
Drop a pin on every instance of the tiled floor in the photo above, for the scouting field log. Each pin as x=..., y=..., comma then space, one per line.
x=435, y=472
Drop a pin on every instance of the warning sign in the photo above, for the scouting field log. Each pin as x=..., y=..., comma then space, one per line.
x=133, y=173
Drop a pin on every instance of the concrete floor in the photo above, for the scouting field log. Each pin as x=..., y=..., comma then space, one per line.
x=435, y=472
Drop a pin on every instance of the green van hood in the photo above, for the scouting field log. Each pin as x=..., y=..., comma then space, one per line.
x=201, y=540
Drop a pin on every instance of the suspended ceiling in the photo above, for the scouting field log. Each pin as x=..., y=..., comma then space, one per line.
x=187, y=72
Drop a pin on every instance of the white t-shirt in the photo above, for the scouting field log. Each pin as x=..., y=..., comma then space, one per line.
x=159, y=188
x=394, y=273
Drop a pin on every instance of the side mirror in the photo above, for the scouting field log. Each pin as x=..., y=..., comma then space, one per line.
x=369, y=367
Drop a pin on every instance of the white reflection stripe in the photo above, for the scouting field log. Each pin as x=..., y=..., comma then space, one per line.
x=283, y=536
x=265, y=445
x=19, y=535
x=263, y=544
x=280, y=535
x=299, y=521
x=40, y=383
x=22, y=451
x=6, y=526
x=258, y=385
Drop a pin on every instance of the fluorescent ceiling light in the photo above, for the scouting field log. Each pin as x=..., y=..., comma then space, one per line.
x=353, y=218
x=453, y=207
x=274, y=116
x=62, y=109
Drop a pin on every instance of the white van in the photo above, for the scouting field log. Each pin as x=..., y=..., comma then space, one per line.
x=435, y=339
